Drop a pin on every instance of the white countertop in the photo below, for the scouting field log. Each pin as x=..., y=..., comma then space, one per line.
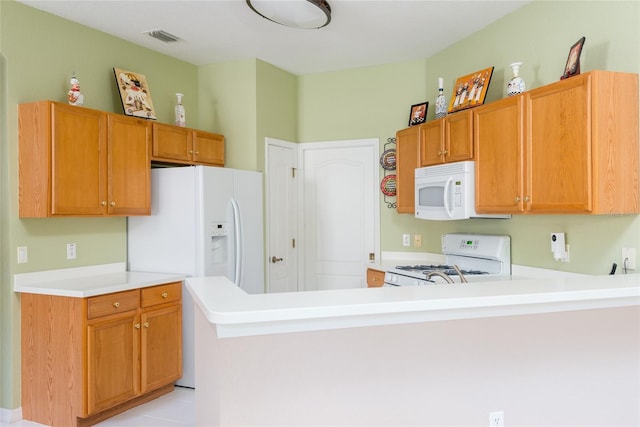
x=82, y=282
x=236, y=313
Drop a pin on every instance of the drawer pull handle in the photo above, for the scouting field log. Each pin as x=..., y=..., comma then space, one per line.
x=146, y=324
x=164, y=294
x=137, y=325
x=116, y=304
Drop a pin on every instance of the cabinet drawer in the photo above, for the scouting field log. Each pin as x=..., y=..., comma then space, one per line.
x=118, y=302
x=161, y=294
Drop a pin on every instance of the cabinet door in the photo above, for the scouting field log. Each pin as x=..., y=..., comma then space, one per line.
x=161, y=358
x=407, y=160
x=498, y=138
x=128, y=164
x=172, y=144
x=459, y=136
x=375, y=278
x=432, y=142
x=208, y=148
x=559, y=147
x=78, y=156
x=113, y=365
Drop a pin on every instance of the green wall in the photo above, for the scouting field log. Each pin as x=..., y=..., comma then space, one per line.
x=39, y=52
x=374, y=102
x=249, y=100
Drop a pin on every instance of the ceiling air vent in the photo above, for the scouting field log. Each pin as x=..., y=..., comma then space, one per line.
x=163, y=36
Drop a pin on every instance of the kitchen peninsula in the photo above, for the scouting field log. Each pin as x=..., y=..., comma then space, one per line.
x=545, y=351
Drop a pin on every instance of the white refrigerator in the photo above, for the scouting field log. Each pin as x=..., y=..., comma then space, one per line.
x=205, y=221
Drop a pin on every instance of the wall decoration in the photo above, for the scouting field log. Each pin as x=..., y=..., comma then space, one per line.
x=572, y=67
x=470, y=90
x=418, y=113
x=134, y=93
x=389, y=181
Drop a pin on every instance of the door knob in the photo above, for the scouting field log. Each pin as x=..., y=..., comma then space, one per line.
x=274, y=259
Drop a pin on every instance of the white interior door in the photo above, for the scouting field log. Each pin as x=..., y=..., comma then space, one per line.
x=340, y=205
x=282, y=214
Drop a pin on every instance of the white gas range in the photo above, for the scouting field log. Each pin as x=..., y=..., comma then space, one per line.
x=480, y=257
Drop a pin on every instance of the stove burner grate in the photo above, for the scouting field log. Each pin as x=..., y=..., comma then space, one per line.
x=446, y=269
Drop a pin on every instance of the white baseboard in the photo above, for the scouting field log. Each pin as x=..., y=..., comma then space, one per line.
x=10, y=416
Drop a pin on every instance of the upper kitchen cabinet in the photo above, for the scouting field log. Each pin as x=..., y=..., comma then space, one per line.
x=407, y=160
x=568, y=147
x=173, y=144
x=447, y=140
x=75, y=161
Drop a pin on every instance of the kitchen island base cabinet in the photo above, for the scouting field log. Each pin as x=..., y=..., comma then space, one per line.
x=87, y=359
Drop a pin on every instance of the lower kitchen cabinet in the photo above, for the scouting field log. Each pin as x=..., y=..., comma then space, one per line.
x=87, y=359
x=375, y=278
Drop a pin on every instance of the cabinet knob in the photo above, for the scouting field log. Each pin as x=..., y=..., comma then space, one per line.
x=116, y=304
x=103, y=203
x=526, y=198
x=146, y=324
x=190, y=151
x=112, y=203
x=164, y=295
x=517, y=199
x=137, y=326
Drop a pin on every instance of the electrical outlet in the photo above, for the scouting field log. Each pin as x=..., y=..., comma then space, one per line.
x=496, y=419
x=22, y=255
x=629, y=258
x=71, y=251
x=406, y=240
x=417, y=240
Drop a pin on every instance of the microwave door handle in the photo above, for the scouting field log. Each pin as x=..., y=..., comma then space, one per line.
x=446, y=197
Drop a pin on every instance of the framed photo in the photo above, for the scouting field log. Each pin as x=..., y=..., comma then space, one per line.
x=418, y=113
x=572, y=67
x=470, y=90
x=134, y=93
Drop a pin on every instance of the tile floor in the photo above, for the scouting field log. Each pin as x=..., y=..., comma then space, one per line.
x=175, y=409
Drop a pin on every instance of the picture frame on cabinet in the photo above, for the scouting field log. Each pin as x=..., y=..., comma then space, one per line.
x=134, y=94
x=572, y=68
x=470, y=90
x=418, y=113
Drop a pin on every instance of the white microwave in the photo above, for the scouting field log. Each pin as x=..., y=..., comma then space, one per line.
x=447, y=192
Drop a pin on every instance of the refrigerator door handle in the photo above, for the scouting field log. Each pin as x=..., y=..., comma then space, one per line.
x=238, y=237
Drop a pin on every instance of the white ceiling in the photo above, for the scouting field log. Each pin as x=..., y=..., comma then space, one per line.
x=361, y=32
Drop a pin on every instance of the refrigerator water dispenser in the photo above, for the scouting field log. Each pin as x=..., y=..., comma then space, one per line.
x=219, y=244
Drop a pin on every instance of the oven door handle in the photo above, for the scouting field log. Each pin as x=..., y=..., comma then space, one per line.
x=446, y=197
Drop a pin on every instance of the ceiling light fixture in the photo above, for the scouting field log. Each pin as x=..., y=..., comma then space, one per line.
x=305, y=14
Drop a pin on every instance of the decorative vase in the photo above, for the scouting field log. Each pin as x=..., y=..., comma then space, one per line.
x=516, y=84
x=179, y=110
x=441, y=102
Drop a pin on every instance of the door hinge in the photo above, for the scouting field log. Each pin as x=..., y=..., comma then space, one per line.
x=293, y=172
x=293, y=243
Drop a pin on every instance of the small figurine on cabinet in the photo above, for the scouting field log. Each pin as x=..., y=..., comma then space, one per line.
x=74, y=95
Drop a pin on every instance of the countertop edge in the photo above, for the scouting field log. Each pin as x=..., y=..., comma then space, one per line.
x=235, y=313
x=89, y=281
